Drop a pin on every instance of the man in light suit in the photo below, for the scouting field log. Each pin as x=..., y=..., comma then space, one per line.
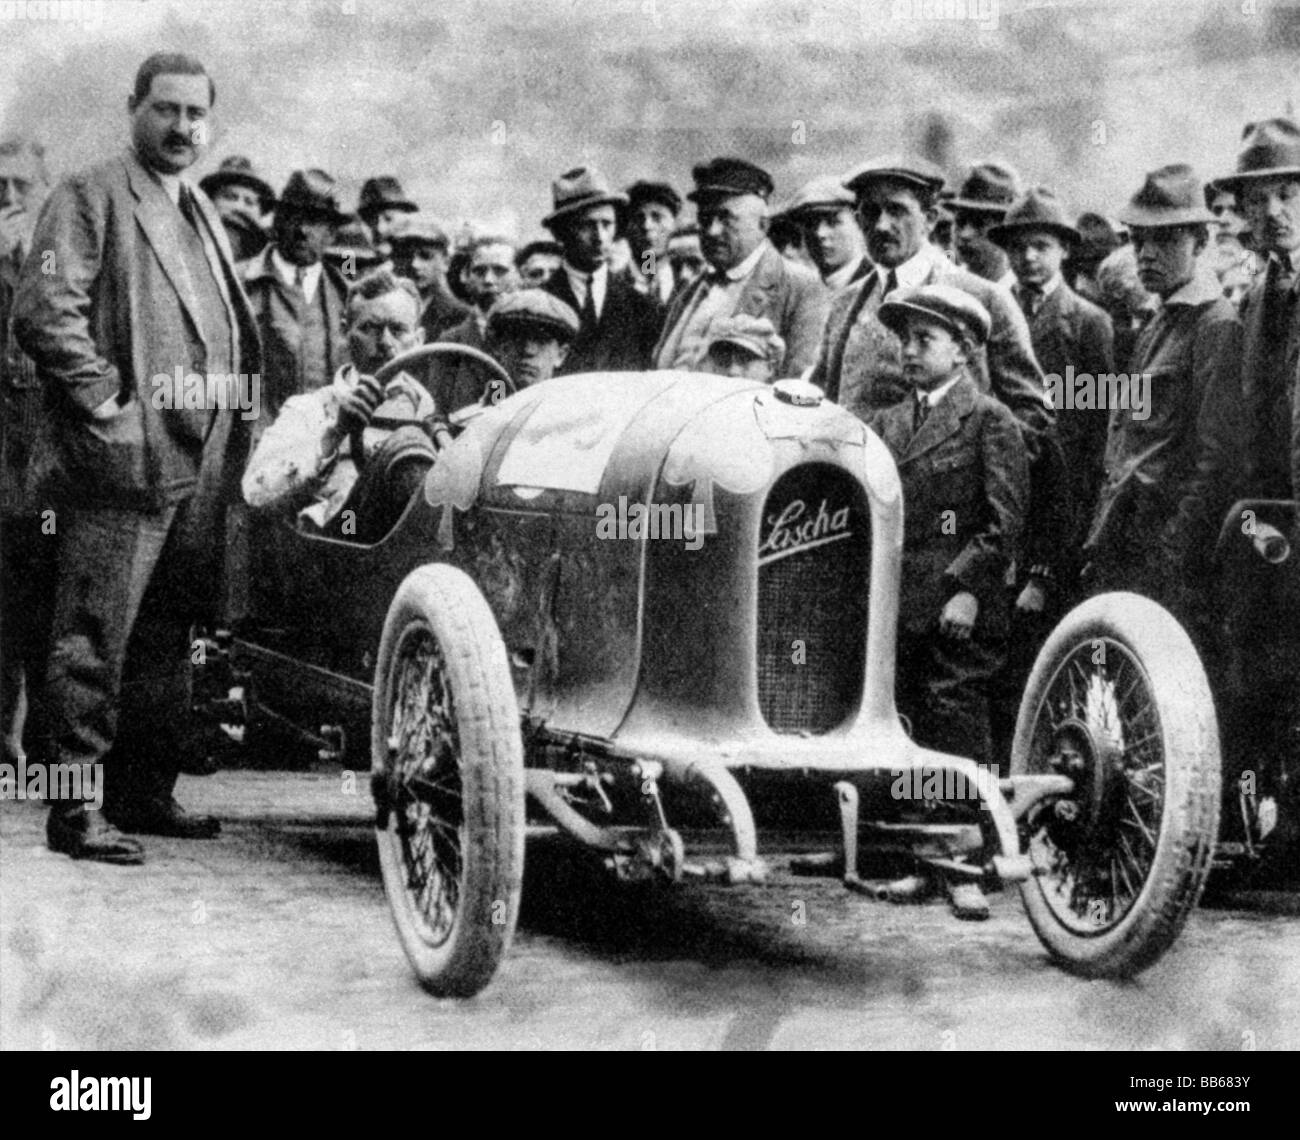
x=859, y=364
x=139, y=289
x=746, y=274
x=617, y=325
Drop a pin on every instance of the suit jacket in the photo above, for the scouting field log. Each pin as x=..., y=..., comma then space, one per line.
x=965, y=483
x=1264, y=460
x=277, y=318
x=623, y=337
x=790, y=296
x=118, y=309
x=464, y=381
x=442, y=310
x=1068, y=331
x=859, y=361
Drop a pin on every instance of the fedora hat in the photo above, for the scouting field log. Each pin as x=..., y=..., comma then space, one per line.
x=953, y=308
x=1036, y=209
x=237, y=170
x=825, y=195
x=311, y=192
x=383, y=192
x=1170, y=196
x=990, y=188
x=352, y=239
x=1270, y=149
x=917, y=172
x=580, y=189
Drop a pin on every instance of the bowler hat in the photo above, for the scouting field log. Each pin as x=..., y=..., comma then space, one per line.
x=952, y=307
x=641, y=192
x=1037, y=209
x=311, y=192
x=537, y=308
x=755, y=335
x=580, y=189
x=990, y=188
x=419, y=231
x=237, y=170
x=723, y=177
x=897, y=168
x=1270, y=149
x=823, y=195
x=383, y=192
x=1170, y=196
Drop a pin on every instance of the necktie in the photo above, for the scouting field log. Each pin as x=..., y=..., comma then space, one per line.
x=1030, y=300
x=189, y=211
x=919, y=414
x=590, y=317
x=891, y=283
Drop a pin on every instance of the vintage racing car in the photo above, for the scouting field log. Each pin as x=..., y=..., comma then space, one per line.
x=659, y=610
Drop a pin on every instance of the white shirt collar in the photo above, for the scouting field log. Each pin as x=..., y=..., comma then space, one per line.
x=840, y=277
x=1204, y=286
x=914, y=270
x=1046, y=291
x=746, y=267
x=933, y=396
x=578, y=279
x=288, y=273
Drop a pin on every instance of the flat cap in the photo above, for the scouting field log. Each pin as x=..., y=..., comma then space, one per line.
x=822, y=195
x=1170, y=196
x=641, y=192
x=534, y=307
x=412, y=229
x=722, y=177
x=898, y=168
x=756, y=335
x=954, y=308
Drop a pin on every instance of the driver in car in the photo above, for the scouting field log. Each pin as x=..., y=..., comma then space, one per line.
x=304, y=460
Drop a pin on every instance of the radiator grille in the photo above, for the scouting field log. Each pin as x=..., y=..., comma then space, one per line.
x=813, y=583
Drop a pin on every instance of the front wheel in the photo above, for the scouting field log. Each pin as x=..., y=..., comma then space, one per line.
x=448, y=780
x=1118, y=702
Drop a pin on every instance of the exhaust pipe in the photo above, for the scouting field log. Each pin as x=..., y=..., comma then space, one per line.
x=1271, y=544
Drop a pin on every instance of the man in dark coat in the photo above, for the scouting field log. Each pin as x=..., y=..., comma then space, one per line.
x=746, y=274
x=859, y=362
x=980, y=204
x=140, y=289
x=617, y=324
x=297, y=296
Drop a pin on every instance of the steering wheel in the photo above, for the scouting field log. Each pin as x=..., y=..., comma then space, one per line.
x=408, y=362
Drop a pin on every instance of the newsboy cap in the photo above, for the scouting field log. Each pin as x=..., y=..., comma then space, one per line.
x=1170, y=196
x=311, y=192
x=1270, y=149
x=412, y=230
x=823, y=195
x=755, y=335
x=536, y=308
x=580, y=189
x=237, y=170
x=722, y=177
x=990, y=188
x=1036, y=209
x=383, y=192
x=642, y=192
x=917, y=172
x=953, y=308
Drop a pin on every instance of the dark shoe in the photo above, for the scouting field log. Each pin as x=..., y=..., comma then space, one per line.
x=166, y=818
x=85, y=834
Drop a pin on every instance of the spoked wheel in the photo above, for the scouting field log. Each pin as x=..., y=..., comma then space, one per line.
x=1118, y=702
x=448, y=781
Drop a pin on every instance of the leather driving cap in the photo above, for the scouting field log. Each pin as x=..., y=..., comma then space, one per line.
x=825, y=195
x=1170, y=196
x=312, y=192
x=895, y=168
x=954, y=308
x=990, y=188
x=537, y=308
x=237, y=170
x=1037, y=209
x=1270, y=149
x=383, y=192
x=723, y=177
x=579, y=189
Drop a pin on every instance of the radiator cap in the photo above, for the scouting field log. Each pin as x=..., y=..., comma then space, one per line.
x=800, y=393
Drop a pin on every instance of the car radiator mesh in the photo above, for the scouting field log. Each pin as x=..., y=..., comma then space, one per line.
x=813, y=585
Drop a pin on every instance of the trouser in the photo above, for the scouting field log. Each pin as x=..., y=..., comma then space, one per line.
x=130, y=584
x=27, y=575
x=943, y=688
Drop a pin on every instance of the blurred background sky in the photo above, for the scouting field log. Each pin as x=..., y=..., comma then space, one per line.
x=477, y=104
